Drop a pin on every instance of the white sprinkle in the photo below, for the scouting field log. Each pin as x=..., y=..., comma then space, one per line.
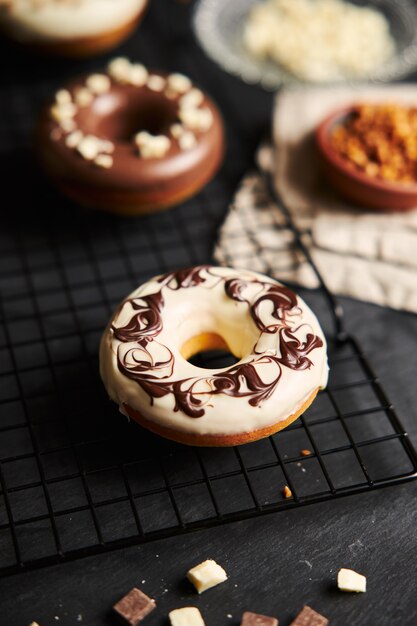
x=187, y=140
x=179, y=83
x=63, y=96
x=73, y=139
x=56, y=617
x=98, y=83
x=104, y=160
x=143, y=582
x=79, y=618
x=192, y=99
x=229, y=616
x=309, y=565
x=83, y=97
x=157, y=556
x=89, y=147
x=155, y=83
x=196, y=119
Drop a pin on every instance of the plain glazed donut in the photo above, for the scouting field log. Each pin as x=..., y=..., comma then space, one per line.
x=276, y=337
x=130, y=141
x=71, y=28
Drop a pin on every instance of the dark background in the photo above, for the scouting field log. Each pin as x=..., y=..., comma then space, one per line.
x=275, y=563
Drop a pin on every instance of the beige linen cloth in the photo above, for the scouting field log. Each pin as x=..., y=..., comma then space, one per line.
x=363, y=254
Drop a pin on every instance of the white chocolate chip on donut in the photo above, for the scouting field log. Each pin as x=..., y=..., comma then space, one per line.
x=152, y=146
x=63, y=96
x=98, y=83
x=187, y=140
x=83, y=97
x=138, y=75
x=104, y=160
x=60, y=112
x=196, y=119
x=73, y=139
x=177, y=130
x=89, y=147
x=119, y=69
x=156, y=83
x=179, y=83
x=192, y=99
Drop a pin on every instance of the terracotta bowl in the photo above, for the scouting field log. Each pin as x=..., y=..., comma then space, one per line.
x=363, y=190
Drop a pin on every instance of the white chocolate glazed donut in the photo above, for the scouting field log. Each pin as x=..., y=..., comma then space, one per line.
x=279, y=342
x=54, y=21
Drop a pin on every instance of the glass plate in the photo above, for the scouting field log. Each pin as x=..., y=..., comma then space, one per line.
x=219, y=28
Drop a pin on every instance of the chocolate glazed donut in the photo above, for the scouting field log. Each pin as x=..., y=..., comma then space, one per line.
x=130, y=148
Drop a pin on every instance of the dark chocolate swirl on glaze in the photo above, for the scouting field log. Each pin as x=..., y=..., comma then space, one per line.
x=182, y=279
x=146, y=323
x=240, y=381
x=282, y=298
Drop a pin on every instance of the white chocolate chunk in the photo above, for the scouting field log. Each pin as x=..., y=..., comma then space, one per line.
x=106, y=146
x=68, y=125
x=349, y=580
x=206, y=575
x=187, y=616
x=60, y=112
x=104, y=160
x=63, y=96
x=73, y=139
x=98, y=83
x=119, y=69
x=152, y=146
x=192, y=99
x=196, y=119
x=179, y=83
x=156, y=83
x=138, y=75
x=177, y=130
x=83, y=97
x=187, y=140
x=89, y=147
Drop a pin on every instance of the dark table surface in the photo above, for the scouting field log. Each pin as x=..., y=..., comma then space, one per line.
x=281, y=561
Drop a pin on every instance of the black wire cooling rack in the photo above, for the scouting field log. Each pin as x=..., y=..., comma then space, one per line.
x=75, y=477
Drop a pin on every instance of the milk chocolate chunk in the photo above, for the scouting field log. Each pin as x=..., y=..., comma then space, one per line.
x=254, y=619
x=309, y=617
x=134, y=607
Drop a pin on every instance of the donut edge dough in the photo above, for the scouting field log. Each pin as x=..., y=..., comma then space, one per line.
x=218, y=440
x=76, y=47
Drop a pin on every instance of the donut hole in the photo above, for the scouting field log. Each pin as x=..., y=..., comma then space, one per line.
x=118, y=116
x=209, y=351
